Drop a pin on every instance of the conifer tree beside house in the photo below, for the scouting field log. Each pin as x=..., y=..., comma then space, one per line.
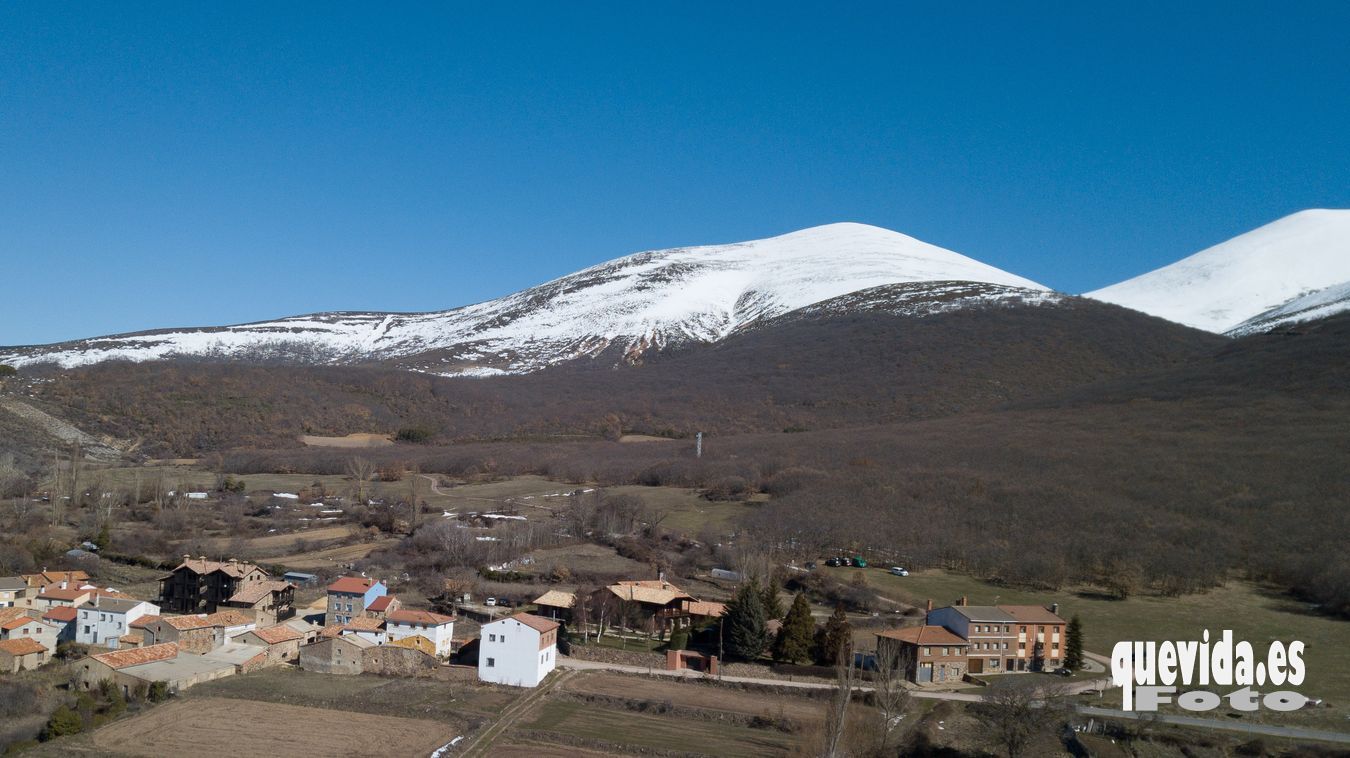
x=1073, y=644
x=773, y=606
x=744, y=628
x=835, y=642
x=793, y=643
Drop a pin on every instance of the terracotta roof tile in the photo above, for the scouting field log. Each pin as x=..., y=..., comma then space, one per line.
x=537, y=623
x=56, y=593
x=924, y=635
x=17, y=622
x=556, y=599
x=62, y=613
x=120, y=659
x=381, y=603
x=418, y=618
x=202, y=566
x=353, y=585
x=22, y=646
x=1031, y=614
x=229, y=617
x=256, y=591
x=273, y=635
x=143, y=621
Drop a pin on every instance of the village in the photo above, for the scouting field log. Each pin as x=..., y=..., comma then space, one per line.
x=215, y=619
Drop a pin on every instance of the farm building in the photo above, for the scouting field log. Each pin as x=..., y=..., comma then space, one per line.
x=21, y=654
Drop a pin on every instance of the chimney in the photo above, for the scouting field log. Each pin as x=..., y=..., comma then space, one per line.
x=234, y=561
x=1054, y=608
x=963, y=601
x=186, y=557
x=930, y=605
x=63, y=584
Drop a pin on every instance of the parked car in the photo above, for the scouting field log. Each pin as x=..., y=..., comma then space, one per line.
x=1063, y=671
x=857, y=562
x=835, y=562
x=810, y=565
x=490, y=601
x=899, y=571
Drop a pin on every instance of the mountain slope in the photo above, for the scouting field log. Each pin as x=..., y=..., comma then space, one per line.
x=812, y=368
x=629, y=305
x=1222, y=288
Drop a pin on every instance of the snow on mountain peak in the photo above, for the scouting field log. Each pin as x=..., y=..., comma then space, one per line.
x=637, y=302
x=1222, y=288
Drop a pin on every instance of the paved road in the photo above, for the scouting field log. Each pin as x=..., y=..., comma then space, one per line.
x=1269, y=730
x=1074, y=688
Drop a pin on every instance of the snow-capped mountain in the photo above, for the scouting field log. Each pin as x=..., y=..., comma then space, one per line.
x=1294, y=269
x=629, y=305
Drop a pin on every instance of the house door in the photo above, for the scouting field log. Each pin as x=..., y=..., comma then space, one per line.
x=925, y=673
x=976, y=665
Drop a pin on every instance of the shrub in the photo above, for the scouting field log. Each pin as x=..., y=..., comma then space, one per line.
x=62, y=723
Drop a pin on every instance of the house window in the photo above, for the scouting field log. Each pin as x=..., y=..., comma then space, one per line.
x=928, y=651
x=492, y=638
x=492, y=662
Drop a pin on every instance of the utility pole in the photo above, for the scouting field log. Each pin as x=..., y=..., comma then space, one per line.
x=698, y=445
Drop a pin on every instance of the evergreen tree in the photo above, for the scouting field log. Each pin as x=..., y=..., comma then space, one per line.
x=835, y=644
x=63, y=722
x=1073, y=645
x=679, y=639
x=773, y=606
x=743, y=624
x=793, y=644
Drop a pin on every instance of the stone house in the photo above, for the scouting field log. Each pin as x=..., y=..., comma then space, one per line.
x=198, y=585
x=21, y=654
x=927, y=654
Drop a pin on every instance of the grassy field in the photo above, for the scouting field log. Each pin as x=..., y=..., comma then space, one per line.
x=212, y=726
x=686, y=510
x=453, y=702
x=639, y=731
x=1254, y=613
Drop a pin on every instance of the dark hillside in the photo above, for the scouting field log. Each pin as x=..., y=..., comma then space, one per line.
x=800, y=372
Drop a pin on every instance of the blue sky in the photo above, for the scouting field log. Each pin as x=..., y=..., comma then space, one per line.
x=187, y=164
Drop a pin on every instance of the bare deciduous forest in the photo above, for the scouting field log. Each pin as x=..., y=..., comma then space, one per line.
x=1039, y=447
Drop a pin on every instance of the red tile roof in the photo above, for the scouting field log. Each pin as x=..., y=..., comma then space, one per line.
x=56, y=593
x=381, y=603
x=143, y=621
x=120, y=659
x=202, y=566
x=924, y=635
x=252, y=593
x=418, y=618
x=229, y=617
x=15, y=623
x=273, y=635
x=537, y=623
x=22, y=646
x=54, y=577
x=1031, y=614
x=352, y=585
x=63, y=613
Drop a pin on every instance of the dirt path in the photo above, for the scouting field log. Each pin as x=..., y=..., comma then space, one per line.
x=481, y=743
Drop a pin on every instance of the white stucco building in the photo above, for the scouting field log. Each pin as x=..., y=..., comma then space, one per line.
x=104, y=619
x=439, y=629
x=518, y=650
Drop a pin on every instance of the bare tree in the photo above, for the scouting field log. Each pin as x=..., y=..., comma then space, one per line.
x=836, y=713
x=889, y=693
x=1018, y=709
x=360, y=470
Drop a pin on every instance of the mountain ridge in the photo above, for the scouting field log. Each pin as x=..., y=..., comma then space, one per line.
x=644, y=301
